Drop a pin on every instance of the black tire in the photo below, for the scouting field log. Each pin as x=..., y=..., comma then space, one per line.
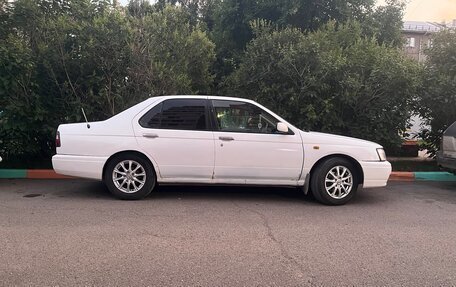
x=144, y=190
x=317, y=181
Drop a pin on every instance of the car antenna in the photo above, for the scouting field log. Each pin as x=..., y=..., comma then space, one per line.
x=84, y=114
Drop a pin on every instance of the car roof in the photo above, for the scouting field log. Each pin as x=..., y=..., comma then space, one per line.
x=203, y=97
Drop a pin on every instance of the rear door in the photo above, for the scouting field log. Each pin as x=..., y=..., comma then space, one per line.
x=177, y=135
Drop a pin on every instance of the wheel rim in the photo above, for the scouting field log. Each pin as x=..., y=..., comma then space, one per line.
x=338, y=182
x=129, y=176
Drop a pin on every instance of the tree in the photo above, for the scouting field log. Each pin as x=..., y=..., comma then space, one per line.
x=59, y=56
x=169, y=55
x=334, y=80
x=22, y=115
x=385, y=23
x=232, y=22
x=437, y=104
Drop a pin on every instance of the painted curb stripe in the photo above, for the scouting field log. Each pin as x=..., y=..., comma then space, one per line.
x=13, y=173
x=395, y=176
x=45, y=174
x=435, y=176
x=31, y=173
x=402, y=176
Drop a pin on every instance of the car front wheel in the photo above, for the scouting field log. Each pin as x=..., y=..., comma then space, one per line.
x=334, y=181
x=129, y=176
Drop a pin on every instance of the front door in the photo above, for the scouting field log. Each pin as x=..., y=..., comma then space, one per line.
x=248, y=148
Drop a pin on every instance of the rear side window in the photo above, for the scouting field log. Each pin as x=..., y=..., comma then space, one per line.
x=177, y=114
x=152, y=118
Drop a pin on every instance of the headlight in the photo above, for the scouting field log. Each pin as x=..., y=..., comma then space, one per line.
x=381, y=154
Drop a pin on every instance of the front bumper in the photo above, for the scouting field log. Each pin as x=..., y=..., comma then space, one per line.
x=79, y=166
x=376, y=173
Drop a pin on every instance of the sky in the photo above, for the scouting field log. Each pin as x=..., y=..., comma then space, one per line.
x=421, y=10
x=430, y=10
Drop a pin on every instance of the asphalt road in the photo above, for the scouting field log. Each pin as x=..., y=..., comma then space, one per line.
x=72, y=232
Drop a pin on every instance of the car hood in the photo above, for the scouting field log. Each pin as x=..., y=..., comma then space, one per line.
x=323, y=138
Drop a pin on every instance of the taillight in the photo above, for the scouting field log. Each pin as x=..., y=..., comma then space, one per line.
x=57, y=139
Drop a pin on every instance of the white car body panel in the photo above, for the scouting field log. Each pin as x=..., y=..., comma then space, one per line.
x=251, y=157
x=80, y=166
x=180, y=156
x=320, y=145
x=192, y=156
x=195, y=161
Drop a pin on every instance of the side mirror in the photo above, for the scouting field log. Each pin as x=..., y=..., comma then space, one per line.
x=282, y=128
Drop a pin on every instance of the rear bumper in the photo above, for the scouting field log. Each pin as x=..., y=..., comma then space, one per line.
x=447, y=163
x=80, y=166
x=376, y=173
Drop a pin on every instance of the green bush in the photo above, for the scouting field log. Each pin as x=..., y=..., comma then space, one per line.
x=59, y=56
x=437, y=103
x=332, y=80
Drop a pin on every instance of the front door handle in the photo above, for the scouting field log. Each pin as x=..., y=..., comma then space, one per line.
x=150, y=135
x=226, y=138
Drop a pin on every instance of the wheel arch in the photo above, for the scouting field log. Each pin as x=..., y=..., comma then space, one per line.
x=357, y=165
x=128, y=152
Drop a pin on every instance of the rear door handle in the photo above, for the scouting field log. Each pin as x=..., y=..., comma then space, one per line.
x=226, y=138
x=150, y=135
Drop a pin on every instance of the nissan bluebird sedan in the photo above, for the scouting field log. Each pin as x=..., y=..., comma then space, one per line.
x=215, y=140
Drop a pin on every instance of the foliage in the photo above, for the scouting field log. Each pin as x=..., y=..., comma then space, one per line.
x=347, y=76
x=59, y=56
x=22, y=115
x=333, y=80
x=437, y=102
x=385, y=23
x=232, y=22
x=169, y=55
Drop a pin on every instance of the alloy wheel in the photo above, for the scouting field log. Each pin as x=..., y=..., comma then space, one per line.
x=129, y=176
x=338, y=182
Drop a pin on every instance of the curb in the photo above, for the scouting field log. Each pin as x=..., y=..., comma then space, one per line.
x=402, y=176
x=435, y=176
x=31, y=174
x=422, y=176
x=395, y=175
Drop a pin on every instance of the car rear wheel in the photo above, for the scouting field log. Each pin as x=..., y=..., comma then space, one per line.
x=129, y=176
x=334, y=181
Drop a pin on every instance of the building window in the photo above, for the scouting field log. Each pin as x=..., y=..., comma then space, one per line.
x=410, y=42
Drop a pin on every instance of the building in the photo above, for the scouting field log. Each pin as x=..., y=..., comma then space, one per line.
x=418, y=37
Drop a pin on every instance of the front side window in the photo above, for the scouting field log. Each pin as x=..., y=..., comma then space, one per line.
x=233, y=116
x=177, y=114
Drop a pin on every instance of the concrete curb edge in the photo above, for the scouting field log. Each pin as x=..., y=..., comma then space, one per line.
x=31, y=174
x=395, y=175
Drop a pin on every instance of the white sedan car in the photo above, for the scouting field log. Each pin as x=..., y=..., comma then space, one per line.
x=215, y=140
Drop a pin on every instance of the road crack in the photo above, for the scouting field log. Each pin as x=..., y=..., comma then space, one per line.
x=283, y=251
